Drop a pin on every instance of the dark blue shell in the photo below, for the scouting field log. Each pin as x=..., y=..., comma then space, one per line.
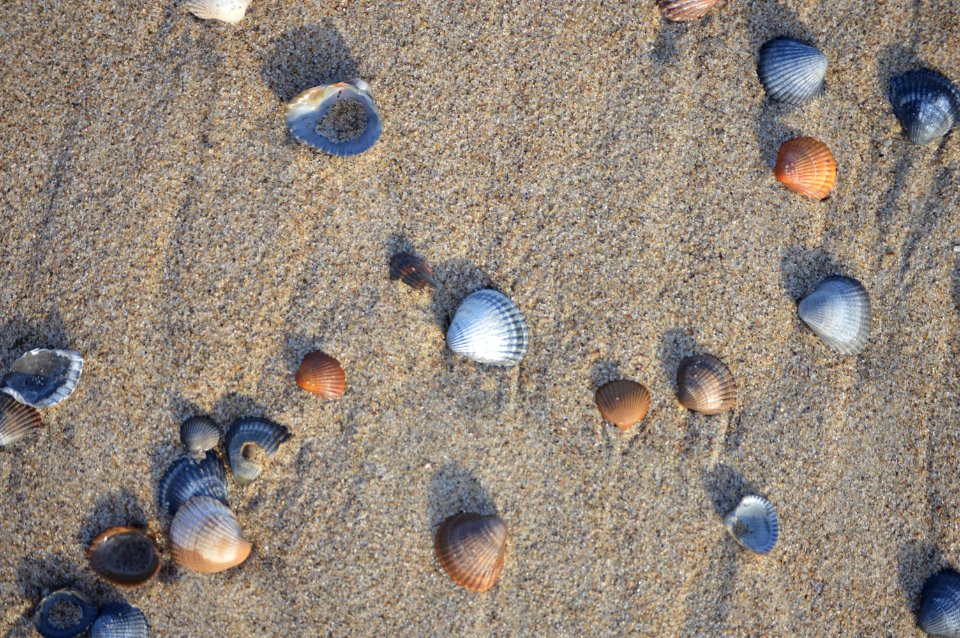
x=43, y=378
x=926, y=103
x=189, y=477
x=939, y=613
x=44, y=618
x=120, y=620
x=252, y=430
x=791, y=71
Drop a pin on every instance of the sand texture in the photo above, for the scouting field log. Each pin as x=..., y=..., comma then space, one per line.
x=609, y=171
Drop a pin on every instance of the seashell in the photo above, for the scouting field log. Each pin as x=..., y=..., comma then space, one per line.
x=806, y=166
x=489, y=328
x=43, y=378
x=939, y=613
x=17, y=421
x=124, y=556
x=754, y=524
x=685, y=10
x=322, y=374
x=247, y=434
x=791, y=71
x=189, y=477
x=229, y=11
x=624, y=403
x=926, y=103
x=199, y=434
x=328, y=118
x=64, y=614
x=471, y=549
x=838, y=311
x=706, y=385
x=120, y=620
x=205, y=536
x=412, y=270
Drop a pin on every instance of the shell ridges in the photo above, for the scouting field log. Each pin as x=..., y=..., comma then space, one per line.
x=471, y=548
x=939, y=613
x=199, y=434
x=229, y=11
x=754, y=524
x=685, y=10
x=926, y=103
x=43, y=377
x=806, y=166
x=706, y=385
x=248, y=431
x=120, y=620
x=624, y=403
x=205, y=536
x=489, y=328
x=17, y=420
x=188, y=477
x=838, y=311
x=791, y=71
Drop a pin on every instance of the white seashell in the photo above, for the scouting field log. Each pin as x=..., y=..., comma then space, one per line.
x=206, y=537
x=307, y=112
x=489, y=328
x=43, y=378
x=838, y=311
x=229, y=11
x=754, y=524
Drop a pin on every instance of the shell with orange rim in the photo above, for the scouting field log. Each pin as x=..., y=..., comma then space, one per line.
x=624, y=403
x=685, y=10
x=322, y=375
x=205, y=536
x=124, y=556
x=806, y=166
x=471, y=549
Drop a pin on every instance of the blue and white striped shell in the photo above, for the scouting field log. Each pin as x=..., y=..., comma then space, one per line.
x=489, y=328
x=43, y=378
x=306, y=115
x=754, y=524
x=926, y=103
x=120, y=620
x=838, y=311
x=199, y=434
x=791, y=71
x=939, y=613
x=252, y=431
x=189, y=477
x=64, y=614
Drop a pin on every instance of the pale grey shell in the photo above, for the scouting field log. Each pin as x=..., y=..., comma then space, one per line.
x=199, y=434
x=43, y=378
x=939, y=613
x=45, y=618
x=189, y=477
x=838, y=311
x=754, y=524
x=791, y=71
x=489, y=328
x=120, y=620
x=247, y=431
x=926, y=103
x=306, y=111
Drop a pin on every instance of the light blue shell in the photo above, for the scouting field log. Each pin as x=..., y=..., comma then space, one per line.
x=754, y=524
x=189, y=477
x=47, y=629
x=252, y=430
x=939, y=613
x=926, y=103
x=791, y=71
x=489, y=328
x=838, y=311
x=43, y=378
x=120, y=620
x=199, y=434
x=305, y=112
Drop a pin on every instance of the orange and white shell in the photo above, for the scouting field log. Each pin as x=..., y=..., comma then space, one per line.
x=206, y=537
x=685, y=10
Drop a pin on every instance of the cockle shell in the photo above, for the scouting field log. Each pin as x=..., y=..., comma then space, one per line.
x=322, y=375
x=791, y=71
x=489, y=328
x=838, y=311
x=205, y=536
x=926, y=103
x=120, y=620
x=624, y=403
x=189, y=477
x=471, y=549
x=199, y=434
x=806, y=166
x=939, y=613
x=229, y=11
x=124, y=556
x=754, y=524
x=412, y=270
x=247, y=434
x=64, y=614
x=307, y=116
x=685, y=10
x=706, y=385
x=43, y=378
x=17, y=421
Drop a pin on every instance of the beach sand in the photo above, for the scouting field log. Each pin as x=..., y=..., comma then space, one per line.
x=612, y=173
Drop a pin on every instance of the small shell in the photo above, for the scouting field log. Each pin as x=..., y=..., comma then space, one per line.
x=939, y=613
x=838, y=311
x=229, y=11
x=322, y=374
x=754, y=524
x=17, y=421
x=624, y=403
x=206, y=537
x=64, y=614
x=189, y=477
x=245, y=435
x=685, y=10
x=43, y=378
x=308, y=113
x=706, y=385
x=489, y=328
x=471, y=549
x=806, y=166
x=120, y=620
x=412, y=270
x=124, y=556
x=199, y=434
x=926, y=103
x=791, y=71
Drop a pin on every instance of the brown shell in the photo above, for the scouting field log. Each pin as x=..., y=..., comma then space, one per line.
x=685, y=10
x=124, y=556
x=806, y=166
x=412, y=270
x=706, y=385
x=206, y=537
x=471, y=549
x=624, y=403
x=321, y=374
x=16, y=420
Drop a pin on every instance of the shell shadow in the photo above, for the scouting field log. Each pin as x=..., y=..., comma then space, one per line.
x=21, y=334
x=455, y=489
x=801, y=270
x=673, y=347
x=725, y=487
x=234, y=406
x=771, y=133
x=955, y=282
x=37, y=576
x=112, y=509
x=605, y=371
x=306, y=57
x=455, y=280
x=397, y=243
x=162, y=457
x=295, y=347
x=917, y=561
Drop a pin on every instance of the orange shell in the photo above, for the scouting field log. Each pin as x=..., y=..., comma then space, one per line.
x=685, y=10
x=321, y=374
x=471, y=548
x=806, y=166
x=624, y=403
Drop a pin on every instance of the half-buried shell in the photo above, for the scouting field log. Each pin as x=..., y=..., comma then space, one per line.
x=791, y=71
x=624, y=403
x=205, y=536
x=685, y=10
x=229, y=11
x=838, y=311
x=412, y=270
x=43, y=378
x=124, y=556
x=199, y=434
x=17, y=421
x=926, y=103
x=248, y=437
x=754, y=524
x=120, y=620
x=471, y=549
x=489, y=328
x=939, y=613
x=188, y=477
x=806, y=166
x=339, y=119
x=322, y=375
x=706, y=385
x=64, y=614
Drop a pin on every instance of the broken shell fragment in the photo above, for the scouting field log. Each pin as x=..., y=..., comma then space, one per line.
x=199, y=434
x=754, y=524
x=247, y=436
x=43, y=378
x=806, y=166
x=471, y=549
x=322, y=375
x=624, y=403
x=412, y=270
x=17, y=421
x=206, y=537
x=120, y=620
x=339, y=119
x=124, y=556
x=188, y=477
x=939, y=613
x=229, y=11
x=838, y=311
x=64, y=614
x=926, y=103
x=791, y=71
x=489, y=328
x=685, y=10
x=706, y=385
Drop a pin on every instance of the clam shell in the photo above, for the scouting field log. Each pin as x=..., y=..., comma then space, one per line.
x=926, y=103
x=43, y=378
x=412, y=270
x=307, y=112
x=624, y=403
x=806, y=166
x=939, y=613
x=64, y=614
x=791, y=71
x=205, y=536
x=706, y=385
x=754, y=524
x=243, y=436
x=199, y=434
x=489, y=328
x=189, y=477
x=17, y=421
x=229, y=11
x=685, y=10
x=838, y=311
x=120, y=620
x=322, y=375
x=124, y=556
x=471, y=549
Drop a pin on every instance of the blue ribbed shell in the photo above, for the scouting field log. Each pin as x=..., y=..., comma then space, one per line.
x=199, y=434
x=189, y=477
x=263, y=433
x=120, y=620
x=926, y=103
x=754, y=524
x=791, y=71
x=838, y=311
x=939, y=613
x=489, y=328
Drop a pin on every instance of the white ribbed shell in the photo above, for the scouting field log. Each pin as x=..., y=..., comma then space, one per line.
x=206, y=537
x=838, y=311
x=489, y=328
x=229, y=11
x=754, y=524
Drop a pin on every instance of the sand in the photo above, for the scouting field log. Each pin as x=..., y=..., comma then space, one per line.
x=612, y=173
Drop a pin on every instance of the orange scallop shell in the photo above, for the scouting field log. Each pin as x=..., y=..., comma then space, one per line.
x=322, y=374
x=806, y=166
x=624, y=403
x=471, y=549
x=685, y=10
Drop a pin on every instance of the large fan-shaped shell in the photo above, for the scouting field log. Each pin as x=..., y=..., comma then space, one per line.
x=124, y=556
x=120, y=620
x=17, y=421
x=471, y=549
x=229, y=11
x=791, y=71
x=706, y=385
x=308, y=112
x=939, y=613
x=838, y=311
x=806, y=166
x=754, y=524
x=206, y=537
x=926, y=103
x=624, y=403
x=65, y=613
x=685, y=10
x=189, y=477
x=199, y=434
x=43, y=378
x=489, y=328
x=412, y=270
x=322, y=375
x=246, y=435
